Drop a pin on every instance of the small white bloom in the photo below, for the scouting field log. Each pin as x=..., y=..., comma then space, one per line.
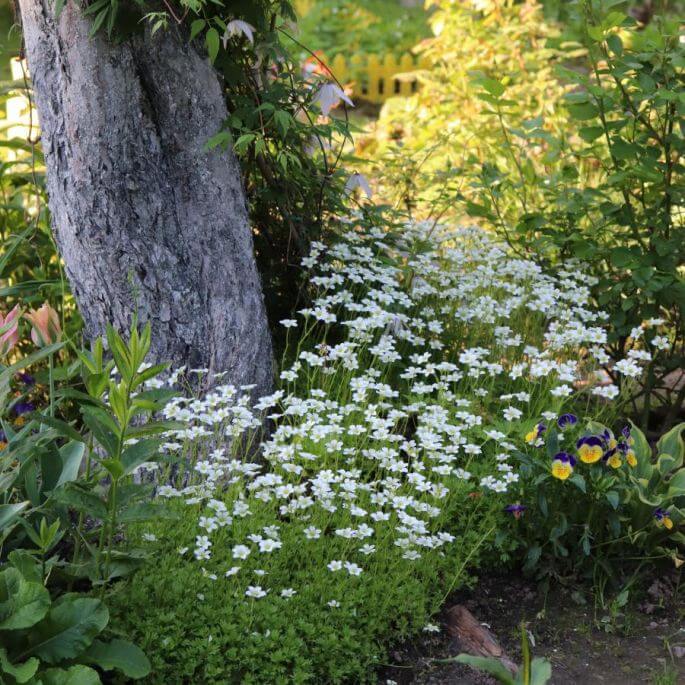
x=255, y=591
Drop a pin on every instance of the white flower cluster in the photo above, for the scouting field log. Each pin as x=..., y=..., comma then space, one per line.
x=430, y=348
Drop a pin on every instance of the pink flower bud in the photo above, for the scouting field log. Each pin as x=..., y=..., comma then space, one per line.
x=45, y=325
x=9, y=325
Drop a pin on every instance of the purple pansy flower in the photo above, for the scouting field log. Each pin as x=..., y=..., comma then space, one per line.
x=566, y=420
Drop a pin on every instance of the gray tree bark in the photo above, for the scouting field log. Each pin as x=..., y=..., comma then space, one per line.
x=146, y=219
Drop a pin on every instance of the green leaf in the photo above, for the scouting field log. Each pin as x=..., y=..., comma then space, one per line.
x=138, y=453
x=68, y=629
x=9, y=512
x=74, y=675
x=579, y=482
x=488, y=664
x=62, y=427
x=615, y=44
x=583, y=111
x=676, y=486
x=119, y=654
x=22, y=673
x=114, y=467
x=672, y=443
x=72, y=455
x=22, y=602
x=590, y=133
x=540, y=671
x=78, y=497
x=145, y=511
x=212, y=43
x=533, y=556
x=102, y=427
x=613, y=498
x=196, y=27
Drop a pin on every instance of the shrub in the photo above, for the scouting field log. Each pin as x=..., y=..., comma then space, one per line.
x=609, y=192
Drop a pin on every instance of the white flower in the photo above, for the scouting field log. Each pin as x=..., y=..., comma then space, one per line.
x=288, y=323
x=240, y=552
x=607, y=391
x=312, y=533
x=269, y=545
x=334, y=603
x=661, y=342
x=288, y=592
x=334, y=565
x=329, y=96
x=255, y=591
x=367, y=549
x=431, y=628
x=237, y=27
x=512, y=413
x=561, y=391
x=232, y=571
x=353, y=569
x=628, y=368
x=357, y=180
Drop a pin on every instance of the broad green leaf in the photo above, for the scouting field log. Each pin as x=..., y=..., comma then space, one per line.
x=22, y=602
x=102, y=427
x=676, y=486
x=114, y=467
x=119, y=654
x=613, y=498
x=68, y=629
x=196, y=27
x=22, y=673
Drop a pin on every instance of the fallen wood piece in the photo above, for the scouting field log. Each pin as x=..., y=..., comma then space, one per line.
x=471, y=637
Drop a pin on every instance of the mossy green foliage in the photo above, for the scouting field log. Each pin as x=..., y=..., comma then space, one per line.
x=200, y=630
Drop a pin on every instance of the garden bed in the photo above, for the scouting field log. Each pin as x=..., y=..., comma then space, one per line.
x=640, y=643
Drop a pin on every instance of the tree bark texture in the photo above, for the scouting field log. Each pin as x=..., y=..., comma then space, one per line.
x=146, y=219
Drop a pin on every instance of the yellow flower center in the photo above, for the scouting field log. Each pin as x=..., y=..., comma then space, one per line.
x=615, y=461
x=561, y=470
x=589, y=454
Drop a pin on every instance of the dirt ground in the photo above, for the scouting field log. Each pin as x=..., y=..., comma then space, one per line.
x=642, y=642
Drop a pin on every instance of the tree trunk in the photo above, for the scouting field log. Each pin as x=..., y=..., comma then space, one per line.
x=146, y=219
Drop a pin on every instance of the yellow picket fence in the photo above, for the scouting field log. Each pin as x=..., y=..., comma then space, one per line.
x=375, y=79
